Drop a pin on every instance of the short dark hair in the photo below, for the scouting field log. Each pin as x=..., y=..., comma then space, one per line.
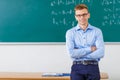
x=80, y=7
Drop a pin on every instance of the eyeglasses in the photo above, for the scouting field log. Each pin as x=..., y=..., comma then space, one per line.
x=80, y=15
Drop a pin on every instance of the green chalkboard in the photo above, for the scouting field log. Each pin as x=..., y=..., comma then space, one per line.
x=48, y=20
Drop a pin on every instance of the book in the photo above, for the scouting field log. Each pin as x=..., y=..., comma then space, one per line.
x=51, y=74
x=66, y=74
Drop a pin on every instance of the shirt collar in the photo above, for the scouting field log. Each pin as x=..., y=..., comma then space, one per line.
x=88, y=28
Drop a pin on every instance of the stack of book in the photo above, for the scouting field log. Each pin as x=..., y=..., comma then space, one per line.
x=51, y=74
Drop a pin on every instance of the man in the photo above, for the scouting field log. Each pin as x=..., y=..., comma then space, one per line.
x=85, y=45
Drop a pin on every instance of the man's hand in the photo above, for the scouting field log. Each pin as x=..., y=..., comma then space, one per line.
x=93, y=48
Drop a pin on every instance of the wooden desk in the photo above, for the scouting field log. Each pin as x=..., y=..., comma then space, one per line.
x=35, y=76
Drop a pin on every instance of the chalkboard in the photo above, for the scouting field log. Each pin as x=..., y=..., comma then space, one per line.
x=48, y=20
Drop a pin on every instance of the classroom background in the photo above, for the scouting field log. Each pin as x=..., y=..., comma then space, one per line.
x=32, y=34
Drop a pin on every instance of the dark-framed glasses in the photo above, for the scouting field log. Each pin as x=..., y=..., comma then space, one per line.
x=80, y=15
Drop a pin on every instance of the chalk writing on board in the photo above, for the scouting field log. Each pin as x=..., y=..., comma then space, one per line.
x=112, y=12
x=63, y=20
x=69, y=2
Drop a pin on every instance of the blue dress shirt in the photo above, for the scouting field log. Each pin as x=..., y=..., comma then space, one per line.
x=79, y=42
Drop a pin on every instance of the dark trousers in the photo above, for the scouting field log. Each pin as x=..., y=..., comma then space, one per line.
x=85, y=72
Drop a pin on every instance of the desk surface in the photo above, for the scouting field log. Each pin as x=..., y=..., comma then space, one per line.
x=34, y=76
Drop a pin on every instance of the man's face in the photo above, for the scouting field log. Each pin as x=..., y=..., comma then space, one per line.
x=82, y=16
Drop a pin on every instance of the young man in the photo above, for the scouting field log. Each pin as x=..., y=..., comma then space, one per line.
x=85, y=45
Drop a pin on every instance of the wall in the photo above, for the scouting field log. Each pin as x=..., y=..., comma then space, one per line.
x=51, y=58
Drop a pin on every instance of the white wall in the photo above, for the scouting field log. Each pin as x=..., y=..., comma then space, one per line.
x=51, y=58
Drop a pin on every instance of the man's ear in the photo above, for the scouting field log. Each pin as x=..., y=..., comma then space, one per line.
x=75, y=18
x=89, y=15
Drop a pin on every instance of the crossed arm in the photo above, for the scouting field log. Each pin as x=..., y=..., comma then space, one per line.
x=89, y=52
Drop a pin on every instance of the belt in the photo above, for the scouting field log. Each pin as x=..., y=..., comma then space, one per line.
x=86, y=62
